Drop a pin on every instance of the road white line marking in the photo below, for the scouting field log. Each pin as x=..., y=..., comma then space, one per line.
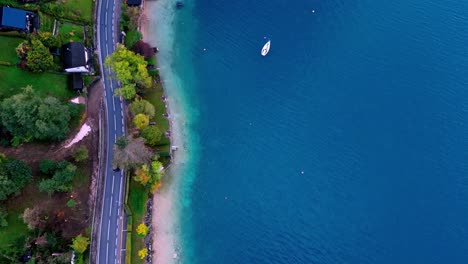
x=110, y=208
x=115, y=123
x=122, y=129
x=107, y=253
x=113, y=179
x=108, y=232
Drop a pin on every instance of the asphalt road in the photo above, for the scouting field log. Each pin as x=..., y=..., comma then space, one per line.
x=109, y=240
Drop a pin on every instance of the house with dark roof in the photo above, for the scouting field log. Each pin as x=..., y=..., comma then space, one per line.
x=13, y=19
x=75, y=57
x=134, y=2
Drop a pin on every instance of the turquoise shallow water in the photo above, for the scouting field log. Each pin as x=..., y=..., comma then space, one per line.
x=368, y=99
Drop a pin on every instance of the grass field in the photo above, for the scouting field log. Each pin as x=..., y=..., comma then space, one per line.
x=83, y=8
x=7, y=49
x=137, y=203
x=154, y=97
x=71, y=32
x=47, y=22
x=13, y=79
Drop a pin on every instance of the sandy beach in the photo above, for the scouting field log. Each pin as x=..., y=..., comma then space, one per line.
x=164, y=214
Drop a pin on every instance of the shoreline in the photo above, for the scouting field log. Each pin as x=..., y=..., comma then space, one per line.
x=163, y=216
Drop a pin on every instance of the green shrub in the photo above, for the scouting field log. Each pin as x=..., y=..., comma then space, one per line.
x=153, y=73
x=80, y=154
x=152, y=61
x=71, y=203
x=152, y=135
x=47, y=166
x=132, y=37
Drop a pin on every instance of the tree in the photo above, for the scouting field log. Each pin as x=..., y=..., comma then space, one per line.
x=129, y=153
x=52, y=120
x=141, y=121
x=39, y=58
x=142, y=229
x=14, y=174
x=156, y=172
x=127, y=91
x=142, y=175
x=48, y=39
x=143, y=253
x=151, y=134
x=23, y=49
x=144, y=49
x=18, y=113
x=61, y=181
x=35, y=217
x=150, y=175
x=142, y=106
x=27, y=116
x=81, y=154
x=47, y=166
x=133, y=14
x=129, y=68
x=80, y=244
x=132, y=37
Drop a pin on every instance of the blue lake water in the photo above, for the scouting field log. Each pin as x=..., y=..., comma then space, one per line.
x=347, y=143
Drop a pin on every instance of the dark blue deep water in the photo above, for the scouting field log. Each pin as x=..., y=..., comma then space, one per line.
x=368, y=98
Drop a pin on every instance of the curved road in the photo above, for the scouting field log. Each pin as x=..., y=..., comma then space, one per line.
x=110, y=228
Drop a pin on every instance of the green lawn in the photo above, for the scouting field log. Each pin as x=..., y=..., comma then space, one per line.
x=13, y=79
x=154, y=97
x=15, y=229
x=71, y=32
x=75, y=10
x=47, y=22
x=82, y=8
x=8, y=49
x=137, y=203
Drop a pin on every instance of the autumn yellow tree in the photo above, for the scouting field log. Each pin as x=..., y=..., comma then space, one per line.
x=127, y=91
x=142, y=229
x=80, y=244
x=141, y=121
x=143, y=253
x=130, y=69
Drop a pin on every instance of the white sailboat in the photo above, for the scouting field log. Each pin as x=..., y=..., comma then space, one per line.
x=266, y=48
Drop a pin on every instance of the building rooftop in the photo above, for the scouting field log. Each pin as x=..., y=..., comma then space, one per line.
x=13, y=18
x=73, y=55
